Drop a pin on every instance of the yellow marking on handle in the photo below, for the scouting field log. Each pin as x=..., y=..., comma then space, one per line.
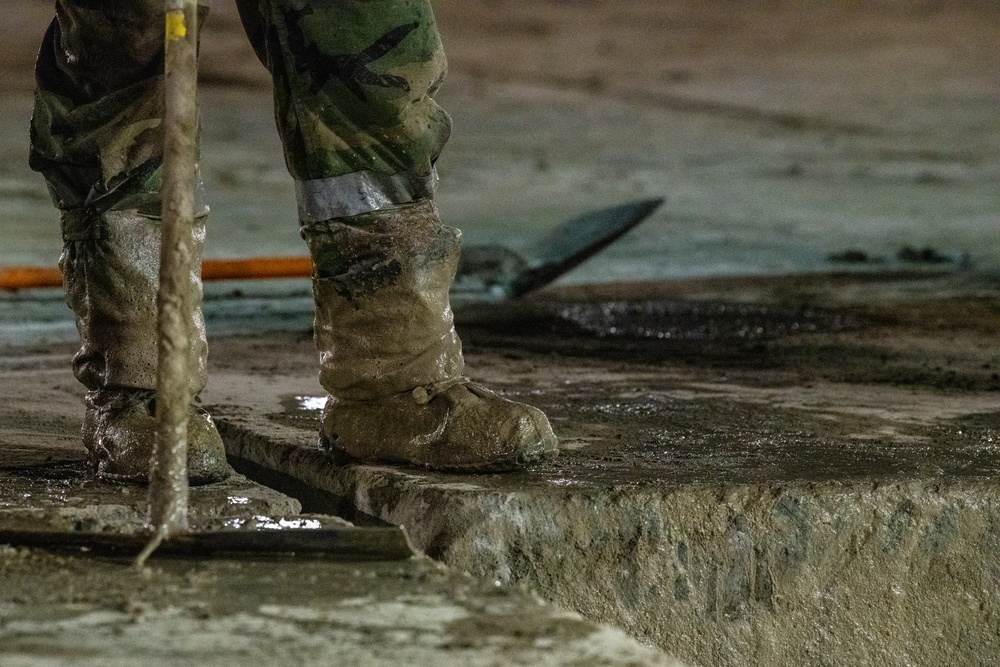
x=176, y=27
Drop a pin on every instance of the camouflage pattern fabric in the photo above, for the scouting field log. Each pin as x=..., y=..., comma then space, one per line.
x=354, y=82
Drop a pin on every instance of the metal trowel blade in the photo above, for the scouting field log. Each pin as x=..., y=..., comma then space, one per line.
x=575, y=241
x=348, y=543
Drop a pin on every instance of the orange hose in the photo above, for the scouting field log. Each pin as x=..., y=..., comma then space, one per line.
x=25, y=277
x=255, y=268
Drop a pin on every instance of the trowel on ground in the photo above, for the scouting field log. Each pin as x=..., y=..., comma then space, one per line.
x=329, y=540
x=497, y=273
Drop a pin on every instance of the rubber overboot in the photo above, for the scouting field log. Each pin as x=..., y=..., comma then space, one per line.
x=119, y=428
x=110, y=265
x=391, y=359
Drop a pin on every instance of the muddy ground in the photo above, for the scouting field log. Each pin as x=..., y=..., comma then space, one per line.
x=808, y=367
x=753, y=472
x=693, y=417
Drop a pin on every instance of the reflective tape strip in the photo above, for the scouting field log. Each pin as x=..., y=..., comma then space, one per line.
x=357, y=193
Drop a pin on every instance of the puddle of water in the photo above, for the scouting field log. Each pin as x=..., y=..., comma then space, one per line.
x=263, y=522
x=307, y=407
x=300, y=410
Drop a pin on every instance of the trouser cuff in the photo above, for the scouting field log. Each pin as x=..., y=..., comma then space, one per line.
x=358, y=193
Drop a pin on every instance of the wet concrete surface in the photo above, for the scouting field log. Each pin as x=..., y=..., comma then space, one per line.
x=75, y=610
x=82, y=606
x=802, y=471
x=817, y=490
x=66, y=498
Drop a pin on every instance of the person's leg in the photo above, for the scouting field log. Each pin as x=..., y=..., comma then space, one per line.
x=354, y=86
x=96, y=136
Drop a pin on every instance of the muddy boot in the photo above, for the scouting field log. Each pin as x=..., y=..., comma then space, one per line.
x=390, y=356
x=119, y=428
x=110, y=265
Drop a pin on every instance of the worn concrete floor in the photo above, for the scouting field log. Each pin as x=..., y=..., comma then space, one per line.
x=772, y=472
x=78, y=606
x=754, y=472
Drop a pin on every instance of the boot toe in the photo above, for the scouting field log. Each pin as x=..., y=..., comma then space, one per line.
x=496, y=433
x=206, y=451
x=535, y=438
x=466, y=428
x=119, y=435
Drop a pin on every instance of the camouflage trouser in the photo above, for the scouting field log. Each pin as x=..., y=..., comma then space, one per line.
x=353, y=80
